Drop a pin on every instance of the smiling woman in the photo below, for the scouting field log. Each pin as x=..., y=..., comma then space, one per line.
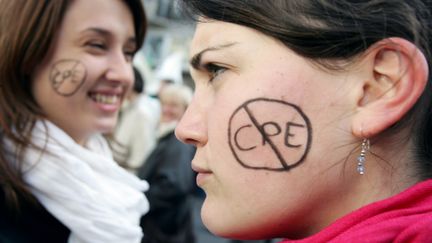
x=312, y=119
x=65, y=71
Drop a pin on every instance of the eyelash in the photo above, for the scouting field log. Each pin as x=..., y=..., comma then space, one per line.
x=214, y=70
x=98, y=45
x=101, y=46
x=129, y=55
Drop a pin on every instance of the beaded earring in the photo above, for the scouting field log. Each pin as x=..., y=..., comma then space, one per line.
x=362, y=159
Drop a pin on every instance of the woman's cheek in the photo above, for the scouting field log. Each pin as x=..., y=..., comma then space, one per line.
x=269, y=134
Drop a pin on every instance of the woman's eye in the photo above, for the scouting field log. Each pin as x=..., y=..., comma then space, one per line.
x=97, y=45
x=214, y=70
x=129, y=55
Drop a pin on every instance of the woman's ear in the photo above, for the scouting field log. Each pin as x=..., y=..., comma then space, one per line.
x=398, y=73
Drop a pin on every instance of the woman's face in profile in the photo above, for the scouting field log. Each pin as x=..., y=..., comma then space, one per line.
x=83, y=79
x=268, y=126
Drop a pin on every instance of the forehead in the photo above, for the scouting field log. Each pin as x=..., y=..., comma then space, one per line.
x=107, y=14
x=208, y=33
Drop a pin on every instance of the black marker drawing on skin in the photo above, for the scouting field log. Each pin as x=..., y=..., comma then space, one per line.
x=67, y=76
x=287, y=135
x=235, y=139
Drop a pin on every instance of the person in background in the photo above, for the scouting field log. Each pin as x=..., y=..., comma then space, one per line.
x=168, y=172
x=65, y=70
x=135, y=135
x=312, y=119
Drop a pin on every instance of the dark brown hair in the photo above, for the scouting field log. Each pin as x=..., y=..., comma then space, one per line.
x=328, y=30
x=27, y=29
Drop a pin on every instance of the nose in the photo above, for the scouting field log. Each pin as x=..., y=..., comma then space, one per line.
x=119, y=69
x=192, y=128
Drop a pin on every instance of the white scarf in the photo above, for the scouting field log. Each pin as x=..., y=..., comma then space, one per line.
x=84, y=188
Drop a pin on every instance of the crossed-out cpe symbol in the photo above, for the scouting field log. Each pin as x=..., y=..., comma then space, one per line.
x=260, y=140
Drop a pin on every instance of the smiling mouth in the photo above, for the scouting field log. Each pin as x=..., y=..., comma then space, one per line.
x=104, y=98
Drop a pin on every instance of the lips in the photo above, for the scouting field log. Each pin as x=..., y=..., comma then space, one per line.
x=199, y=169
x=109, y=99
x=202, y=176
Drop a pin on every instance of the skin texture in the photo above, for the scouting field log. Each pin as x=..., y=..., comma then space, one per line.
x=289, y=137
x=81, y=83
x=329, y=109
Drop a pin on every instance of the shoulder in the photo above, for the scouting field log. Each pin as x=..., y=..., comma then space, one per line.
x=32, y=224
x=420, y=230
x=404, y=217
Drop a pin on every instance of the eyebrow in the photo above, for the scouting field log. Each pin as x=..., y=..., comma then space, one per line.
x=106, y=33
x=195, y=61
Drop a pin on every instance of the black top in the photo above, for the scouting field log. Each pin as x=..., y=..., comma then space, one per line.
x=34, y=224
x=172, y=181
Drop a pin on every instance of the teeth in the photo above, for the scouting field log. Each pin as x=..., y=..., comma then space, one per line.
x=105, y=99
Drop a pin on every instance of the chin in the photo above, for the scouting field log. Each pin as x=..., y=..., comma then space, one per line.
x=220, y=225
x=241, y=232
x=106, y=125
x=229, y=226
x=232, y=231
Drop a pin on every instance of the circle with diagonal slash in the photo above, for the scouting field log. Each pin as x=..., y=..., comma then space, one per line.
x=269, y=134
x=67, y=76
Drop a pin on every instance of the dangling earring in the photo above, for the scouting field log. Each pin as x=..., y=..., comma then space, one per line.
x=361, y=159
